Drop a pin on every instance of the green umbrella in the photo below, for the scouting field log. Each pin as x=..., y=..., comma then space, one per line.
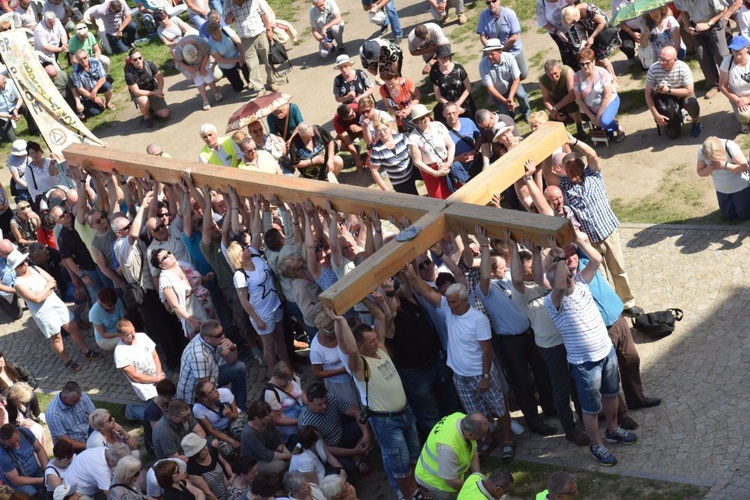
x=631, y=10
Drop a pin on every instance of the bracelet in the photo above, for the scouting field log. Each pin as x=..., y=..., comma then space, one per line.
x=576, y=143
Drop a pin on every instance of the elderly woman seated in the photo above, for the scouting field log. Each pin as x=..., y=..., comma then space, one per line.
x=108, y=432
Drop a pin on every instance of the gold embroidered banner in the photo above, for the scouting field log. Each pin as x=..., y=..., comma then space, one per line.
x=59, y=125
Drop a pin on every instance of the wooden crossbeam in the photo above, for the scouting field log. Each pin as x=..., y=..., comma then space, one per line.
x=434, y=217
x=345, y=198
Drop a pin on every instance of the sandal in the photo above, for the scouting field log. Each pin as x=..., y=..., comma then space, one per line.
x=206, y=106
x=73, y=366
x=92, y=355
x=486, y=446
x=509, y=452
x=620, y=136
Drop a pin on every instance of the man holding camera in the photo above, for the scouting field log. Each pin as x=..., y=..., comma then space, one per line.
x=383, y=396
x=669, y=89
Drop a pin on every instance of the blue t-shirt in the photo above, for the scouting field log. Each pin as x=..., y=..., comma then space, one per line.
x=24, y=456
x=609, y=304
x=98, y=316
x=193, y=246
x=225, y=48
x=465, y=138
x=276, y=125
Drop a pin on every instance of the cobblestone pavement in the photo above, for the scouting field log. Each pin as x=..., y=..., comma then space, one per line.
x=695, y=436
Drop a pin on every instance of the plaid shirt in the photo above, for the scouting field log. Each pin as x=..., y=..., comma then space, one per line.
x=199, y=360
x=248, y=19
x=69, y=421
x=83, y=79
x=590, y=205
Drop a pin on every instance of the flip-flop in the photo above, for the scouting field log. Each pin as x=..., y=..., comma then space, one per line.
x=485, y=447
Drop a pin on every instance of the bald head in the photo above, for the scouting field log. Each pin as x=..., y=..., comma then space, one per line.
x=668, y=52
x=6, y=247
x=554, y=197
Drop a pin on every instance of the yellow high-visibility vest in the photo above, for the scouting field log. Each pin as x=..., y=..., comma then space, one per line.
x=446, y=432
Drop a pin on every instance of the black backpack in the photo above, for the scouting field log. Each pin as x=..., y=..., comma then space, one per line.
x=660, y=323
x=277, y=54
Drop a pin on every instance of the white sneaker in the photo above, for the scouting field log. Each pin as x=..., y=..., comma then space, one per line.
x=516, y=428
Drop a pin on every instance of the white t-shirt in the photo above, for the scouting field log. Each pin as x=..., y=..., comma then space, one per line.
x=261, y=289
x=464, y=334
x=328, y=357
x=724, y=181
x=739, y=76
x=89, y=471
x=431, y=142
x=219, y=422
x=308, y=462
x=140, y=355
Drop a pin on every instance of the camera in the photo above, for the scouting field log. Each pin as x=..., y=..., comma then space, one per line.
x=364, y=415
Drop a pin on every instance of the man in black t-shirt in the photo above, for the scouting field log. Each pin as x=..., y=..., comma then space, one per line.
x=146, y=85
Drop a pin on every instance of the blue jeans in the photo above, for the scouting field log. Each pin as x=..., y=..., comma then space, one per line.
x=122, y=45
x=235, y=374
x=524, y=108
x=25, y=488
x=97, y=284
x=135, y=412
x=596, y=379
x=393, y=20
x=430, y=392
x=608, y=120
x=399, y=443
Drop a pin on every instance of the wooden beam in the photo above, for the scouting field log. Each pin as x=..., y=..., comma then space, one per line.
x=386, y=262
x=495, y=221
x=345, y=198
x=510, y=167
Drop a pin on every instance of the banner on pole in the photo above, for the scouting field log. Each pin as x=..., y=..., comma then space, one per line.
x=59, y=125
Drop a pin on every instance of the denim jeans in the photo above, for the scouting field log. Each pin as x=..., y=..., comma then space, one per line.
x=608, y=120
x=122, y=45
x=430, y=392
x=596, y=379
x=393, y=20
x=97, y=284
x=235, y=374
x=134, y=412
x=523, y=108
x=399, y=443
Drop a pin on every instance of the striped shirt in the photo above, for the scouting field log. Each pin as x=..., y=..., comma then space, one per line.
x=328, y=424
x=581, y=326
x=396, y=161
x=678, y=78
x=248, y=16
x=590, y=204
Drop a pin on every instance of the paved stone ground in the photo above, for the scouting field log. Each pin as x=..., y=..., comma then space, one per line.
x=695, y=436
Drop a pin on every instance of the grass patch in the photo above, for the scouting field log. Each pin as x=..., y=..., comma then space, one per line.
x=682, y=202
x=466, y=31
x=524, y=9
x=287, y=10
x=631, y=100
x=531, y=478
x=537, y=60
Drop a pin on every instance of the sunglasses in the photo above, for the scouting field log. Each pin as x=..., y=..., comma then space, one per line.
x=164, y=214
x=97, y=221
x=217, y=336
x=136, y=58
x=126, y=228
x=425, y=264
x=490, y=2
x=166, y=255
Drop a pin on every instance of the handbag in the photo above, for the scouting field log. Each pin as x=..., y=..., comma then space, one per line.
x=647, y=56
x=660, y=323
x=135, y=294
x=607, y=36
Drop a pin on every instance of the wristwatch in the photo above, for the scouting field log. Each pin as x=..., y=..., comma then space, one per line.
x=710, y=24
x=486, y=376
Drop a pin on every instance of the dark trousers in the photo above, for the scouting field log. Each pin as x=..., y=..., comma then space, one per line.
x=556, y=360
x=735, y=205
x=517, y=354
x=11, y=308
x=430, y=392
x=670, y=107
x=349, y=439
x=122, y=45
x=628, y=360
x=409, y=186
x=163, y=328
x=629, y=45
x=711, y=49
x=233, y=75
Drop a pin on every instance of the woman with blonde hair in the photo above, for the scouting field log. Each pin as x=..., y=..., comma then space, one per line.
x=108, y=432
x=723, y=160
x=661, y=29
x=125, y=485
x=588, y=28
x=20, y=397
x=10, y=374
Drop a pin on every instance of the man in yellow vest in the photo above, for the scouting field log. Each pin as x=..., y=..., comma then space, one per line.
x=221, y=151
x=480, y=487
x=560, y=486
x=449, y=452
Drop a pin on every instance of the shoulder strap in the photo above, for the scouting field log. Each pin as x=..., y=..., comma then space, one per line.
x=33, y=176
x=276, y=388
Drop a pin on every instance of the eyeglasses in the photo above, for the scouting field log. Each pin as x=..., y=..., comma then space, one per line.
x=136, y=58
x=425, y=264
x=111, y=419
x=251, y=150
x=587, y=63
x=666, y=61
x=157, y=154
x=97, y=221
x=64, y=213
x=166, y=255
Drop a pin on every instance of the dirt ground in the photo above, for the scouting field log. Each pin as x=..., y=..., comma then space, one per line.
x=633, y=168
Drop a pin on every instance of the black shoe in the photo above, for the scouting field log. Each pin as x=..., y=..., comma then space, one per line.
x=542, y=428
x=634, y=311
x=647, y=403
x=628, y=423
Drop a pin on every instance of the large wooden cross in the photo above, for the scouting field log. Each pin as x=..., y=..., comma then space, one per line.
x=435, y=218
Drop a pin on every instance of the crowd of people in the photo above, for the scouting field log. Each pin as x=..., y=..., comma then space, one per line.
x=199, y=281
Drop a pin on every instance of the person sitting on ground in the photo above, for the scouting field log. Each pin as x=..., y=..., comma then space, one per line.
x=284, y=121
x=502, y=78
x=168, y=432
x=156, y=409
x=119, y=26
x=669, y=90
x=146, y=85
x=107, y=432
x=560, y=486
x=91, y=469
x=22, y=460
x=350, y=85
x=24, y=225
x=89, y=79
x=207, y=469
x=104, y=315
x=125, y=480
x=477, y=485
x=298, y=486
x=262, y=441
x=424, y=41
x=26, y=14
x=327, y=27
x=191, y=55
x=54, y=473
x=172, y=477
x=68, y=416
x=285, y=397
x=596, y=96
x=50, y=38
x=313, y=153
x=732, y=83
x=216, y=410
x=217, y=150
x=311, y=457
x=171, y=29
x=346, y=123
x=86, y=41
x=558, y=94
x=723, y=160
x=20, y=398
x=62, y=11
x=257, y=160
